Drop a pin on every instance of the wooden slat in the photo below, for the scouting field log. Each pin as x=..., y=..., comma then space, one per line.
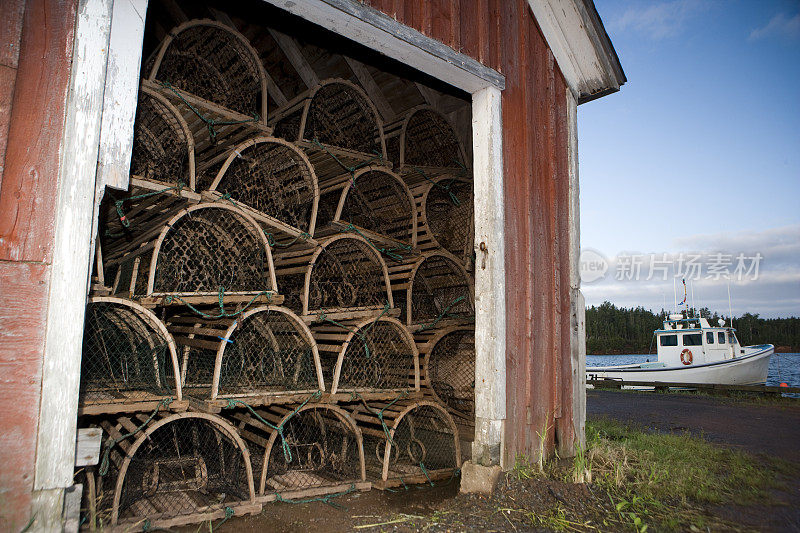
x=291, y=50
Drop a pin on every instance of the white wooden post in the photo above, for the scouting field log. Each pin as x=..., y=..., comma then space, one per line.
x=55, y=447
x=490, y=287
x=577, y=303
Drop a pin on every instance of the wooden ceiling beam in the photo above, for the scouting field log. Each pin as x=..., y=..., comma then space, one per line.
x=291, y=49
x=431, y=97
x=371, y=88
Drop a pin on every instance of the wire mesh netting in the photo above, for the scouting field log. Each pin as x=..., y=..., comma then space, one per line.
x=346, y=274
x=161, y=145
x=448, y=213
x=440, y=289
x=339, y=115
x=322, y=448
x=184, y=464
x=378, y=355
x=423, y=445
x=272, y=177
x=450, y=371
x=211, y=248
x=379, y=202
x=126, y=356
x=430, y=141
x=215, y=63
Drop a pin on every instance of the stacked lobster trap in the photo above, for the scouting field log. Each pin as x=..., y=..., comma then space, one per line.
x=283, y=305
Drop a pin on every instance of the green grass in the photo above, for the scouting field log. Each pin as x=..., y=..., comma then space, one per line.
x=671, y=479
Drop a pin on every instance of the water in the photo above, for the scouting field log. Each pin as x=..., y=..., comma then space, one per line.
x=783, y=367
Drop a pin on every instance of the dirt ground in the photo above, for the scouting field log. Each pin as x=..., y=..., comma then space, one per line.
x=770, y=429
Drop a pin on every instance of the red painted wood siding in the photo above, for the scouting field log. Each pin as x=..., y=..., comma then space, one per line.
x=35, y=53
x=503, y=34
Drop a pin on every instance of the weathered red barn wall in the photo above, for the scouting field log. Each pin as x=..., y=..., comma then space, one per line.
x=503, y=34
x=35, y=54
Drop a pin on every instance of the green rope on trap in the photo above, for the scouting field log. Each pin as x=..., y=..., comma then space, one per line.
x=445, y=188
x=379, y=414
x=443, y=314
x=229, y=512
x=351, y=170
x=222, y=313
x=360, y=334
x=119, y=203
x=146, y=526
x=287, y=451
x=463, y=169
x=210, y=122
x=111, y=442
x=324, y=499
x=274, y=244
x=425, y=471
x=389, y=252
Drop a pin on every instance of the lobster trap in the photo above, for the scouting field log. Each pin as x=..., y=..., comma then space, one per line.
x=336, y=124
x=434, y=291
x=303, y=450
x=205, y=254
x=214, y=77
x=408, y=442
x=263, y=355
x=168, y=471
x=446, y=217
x=163, y=145
x=424, y=144
x=344, y=277
x=129, y=360
x=448, y=371
x=372, y=358
x=274, y=182
x=374, y=202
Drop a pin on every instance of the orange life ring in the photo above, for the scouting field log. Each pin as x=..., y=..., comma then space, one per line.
x=686, y=356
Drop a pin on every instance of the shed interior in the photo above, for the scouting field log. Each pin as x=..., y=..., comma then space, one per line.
x=298, y=231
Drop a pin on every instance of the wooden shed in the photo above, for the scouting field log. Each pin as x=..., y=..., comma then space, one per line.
x=507, y=75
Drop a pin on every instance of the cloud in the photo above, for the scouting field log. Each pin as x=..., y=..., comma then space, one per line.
x=774, y=292
x=658, y=20
x=780, y=26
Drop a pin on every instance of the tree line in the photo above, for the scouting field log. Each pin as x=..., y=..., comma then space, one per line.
x=617, y=330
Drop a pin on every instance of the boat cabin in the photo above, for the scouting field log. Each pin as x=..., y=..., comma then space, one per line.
x=693, y=341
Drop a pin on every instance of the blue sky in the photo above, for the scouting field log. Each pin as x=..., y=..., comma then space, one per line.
x=699, y=151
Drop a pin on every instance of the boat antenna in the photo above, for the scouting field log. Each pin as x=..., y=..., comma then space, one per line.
x=674, y=294
x=694, y=309
x=730, y=312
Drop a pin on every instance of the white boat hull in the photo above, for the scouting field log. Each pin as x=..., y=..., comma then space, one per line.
x=749, y=369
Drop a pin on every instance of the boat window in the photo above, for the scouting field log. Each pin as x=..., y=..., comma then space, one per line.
x=709, y=337
x=730, y=337
x=721, y=337
x=692, y=339
x=669, y=340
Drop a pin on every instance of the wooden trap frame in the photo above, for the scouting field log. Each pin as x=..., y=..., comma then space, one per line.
x=343, y=277
x=368, y=358
x=265, y=355
x=317, y=451
x=170, y=471
x=336, y=124
x=433, y=291
x=446, y=219
x=448, y=372
x=424, y=143
x=407, y=442
x=130, y=360
x=274, y=182
x=214, y=77
x=163, y=145
x=374, y=202
x=209, y=253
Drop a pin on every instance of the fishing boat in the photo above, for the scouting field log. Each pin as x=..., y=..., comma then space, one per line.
x=690, y=350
